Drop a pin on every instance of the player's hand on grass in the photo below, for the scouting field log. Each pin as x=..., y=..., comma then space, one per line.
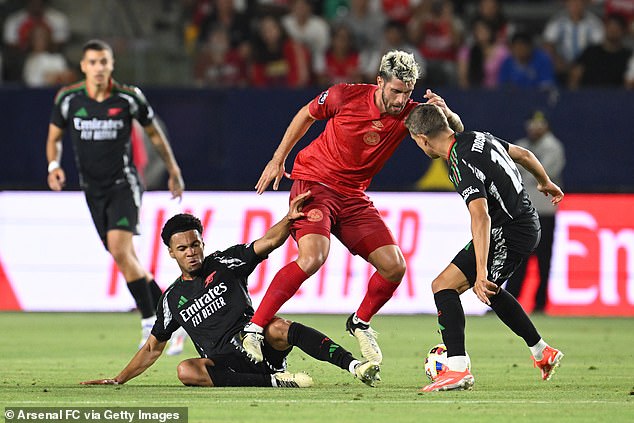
x=100, y=382
x=274, y=170
x=484, y=288
x=56, y=179
x=295, y=209
x=552, y=189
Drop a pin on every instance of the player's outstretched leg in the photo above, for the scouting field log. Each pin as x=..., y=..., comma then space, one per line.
x=366, y=336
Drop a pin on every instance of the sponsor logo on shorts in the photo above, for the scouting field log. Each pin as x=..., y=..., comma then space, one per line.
x=371, y=138
x=322, y=97
x=315, y=215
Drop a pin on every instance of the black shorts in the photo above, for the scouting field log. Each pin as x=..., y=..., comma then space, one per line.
x=274, y=361
x=510, y=245
x=115, y=208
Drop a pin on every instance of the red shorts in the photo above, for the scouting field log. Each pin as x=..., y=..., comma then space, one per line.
x=353, y=220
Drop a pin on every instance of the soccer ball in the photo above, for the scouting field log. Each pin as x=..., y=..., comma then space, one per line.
x=436, y=361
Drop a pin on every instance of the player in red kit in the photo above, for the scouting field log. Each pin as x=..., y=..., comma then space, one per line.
x=365, y=125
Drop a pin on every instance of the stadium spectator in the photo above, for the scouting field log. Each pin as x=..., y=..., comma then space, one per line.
x=629, y=74
x=437, y=32
x=568, y=33
x=480, y=59
x=342, y=59
x=309, y=29
x=505, y=229
x=394, y=38
x=550, y=152
x=603, y=64
x=224, y=15
x=98, y=112
x=220, y=281
x=366, y=24
x=18, y=25
x=17, y=34
x=278, y=61
x=399, y=10
x=43, y=66
x=527, y=65
x=624, y=8
x=365, y=125
x=491, y=12
x=218, y=64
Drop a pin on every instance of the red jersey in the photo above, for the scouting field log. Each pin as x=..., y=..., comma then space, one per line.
x=356, y=142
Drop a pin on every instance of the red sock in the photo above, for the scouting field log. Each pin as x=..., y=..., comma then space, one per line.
x=380, y=290
x=284, y=285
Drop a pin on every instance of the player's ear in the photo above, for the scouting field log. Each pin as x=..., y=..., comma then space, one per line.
x=169, y=249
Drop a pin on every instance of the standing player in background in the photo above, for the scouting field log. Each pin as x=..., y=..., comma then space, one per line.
x=98, y=112
x=365, y=125
x=551, y=154
x=505, y=229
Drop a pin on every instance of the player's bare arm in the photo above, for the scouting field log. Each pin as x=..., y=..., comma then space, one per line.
x=56, y=176
x=175, y=183
x=274, y=170
x=481, y=233
x=142, y=360
x=278, y=233
x=455, y=123
x=529, y=162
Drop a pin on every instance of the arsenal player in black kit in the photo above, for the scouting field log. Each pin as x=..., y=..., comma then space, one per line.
x=211, y=301
x=98, y=112
x=505, y=229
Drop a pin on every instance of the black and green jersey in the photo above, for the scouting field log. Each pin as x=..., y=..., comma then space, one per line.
x=100, y=131
x=480, y=167
x=214, y=305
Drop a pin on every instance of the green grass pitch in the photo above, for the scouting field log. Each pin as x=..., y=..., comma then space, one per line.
x=43, y=357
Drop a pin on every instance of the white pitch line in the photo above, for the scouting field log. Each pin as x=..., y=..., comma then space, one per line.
x=317, y=401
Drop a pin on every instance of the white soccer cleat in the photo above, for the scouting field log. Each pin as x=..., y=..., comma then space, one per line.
x=177, y=342
x=366, y=337
x=368, y=373
x=249, y=343
x=146, y=331
x=293, y=380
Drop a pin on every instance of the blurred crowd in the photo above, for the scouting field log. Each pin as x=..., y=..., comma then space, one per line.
x=299, y=43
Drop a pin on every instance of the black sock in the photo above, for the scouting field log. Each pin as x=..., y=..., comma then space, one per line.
x=223, y=377
x=451, y=321
x=155, y=292
x=318, y=345
x=141, y=294
x=513, y=315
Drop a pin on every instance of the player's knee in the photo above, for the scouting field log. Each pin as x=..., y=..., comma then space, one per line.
x=191, y=373
x=311, y=263
x=276, y=333
x=393, y=270
x=439, y=284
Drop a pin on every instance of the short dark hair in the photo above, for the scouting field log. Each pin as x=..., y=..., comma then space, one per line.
x=95, y=44
x=182, y=222
x=426, y=119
